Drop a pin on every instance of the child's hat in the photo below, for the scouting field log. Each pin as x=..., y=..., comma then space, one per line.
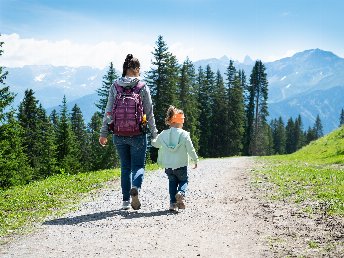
x=178, y=119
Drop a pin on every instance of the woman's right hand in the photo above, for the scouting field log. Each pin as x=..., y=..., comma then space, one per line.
x=102, y=141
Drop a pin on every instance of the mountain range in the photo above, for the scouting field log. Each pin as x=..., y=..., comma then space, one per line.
x=308, y=83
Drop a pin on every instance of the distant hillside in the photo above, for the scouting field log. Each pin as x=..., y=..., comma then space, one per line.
x=308, y=83
x=85, y=103
x=327, y=103
x=51, y=83
x=328, y=149
x=306, y=71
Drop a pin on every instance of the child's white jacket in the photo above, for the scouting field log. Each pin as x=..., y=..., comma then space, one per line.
x=175, y=148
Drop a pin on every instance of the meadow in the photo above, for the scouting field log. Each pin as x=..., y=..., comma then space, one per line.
x=312, y=176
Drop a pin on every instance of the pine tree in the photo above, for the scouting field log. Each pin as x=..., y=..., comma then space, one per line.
x=205, y=99
x=13, y=161
x=188, y=100
x=298, y=134
x=103, y=92
x=236, y=114
x=310, y=135
x=27, y=117
x=38, y=137
x=6, y=98
x=249, y=94
x=46, y=146
x=259, y=84
x=290, y=139
x=162, y=80
x=227, y=120
x=79, y=129
x=269, y=148
x=341, y=118
x=278, y=136
x=100, y=157
x=218, y=147
x=68, y=155
x=108, y=154
x=54, y=120
x=318, y=128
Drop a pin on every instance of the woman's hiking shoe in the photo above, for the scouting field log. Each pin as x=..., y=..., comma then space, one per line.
x=125, y=205
x=180, y=200
x=135, y=202
x=173, y=207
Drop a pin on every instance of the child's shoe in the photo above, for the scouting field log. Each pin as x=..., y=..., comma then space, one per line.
x=135, y=202
x=180, y=200
x=173, y=207
x=125, y=205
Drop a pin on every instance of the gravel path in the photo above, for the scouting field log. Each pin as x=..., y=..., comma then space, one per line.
x=223, y=218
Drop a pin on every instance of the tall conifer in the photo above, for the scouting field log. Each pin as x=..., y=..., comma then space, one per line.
x=103, y=92
x=162, y=80
x=188, y=100
x=278, y=135
x=13, y=161
x=79, y=129
x=290, y=139
x=259, y=83
x=217, y=146
x=68, y=155
x=236, y=114
x=46, y=145
x=27, y=117
x=205, y=99
x=318, y=128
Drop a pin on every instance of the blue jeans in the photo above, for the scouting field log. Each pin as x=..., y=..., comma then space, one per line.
x=177, y=181
x=132, y=154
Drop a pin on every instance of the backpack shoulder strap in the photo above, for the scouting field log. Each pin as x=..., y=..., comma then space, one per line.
x=138, y=86
x=118, y=88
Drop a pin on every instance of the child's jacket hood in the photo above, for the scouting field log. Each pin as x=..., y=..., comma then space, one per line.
x=171, y=139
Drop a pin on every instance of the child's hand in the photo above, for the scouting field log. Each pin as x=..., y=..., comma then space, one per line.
x=195, y=166
x=103, y=141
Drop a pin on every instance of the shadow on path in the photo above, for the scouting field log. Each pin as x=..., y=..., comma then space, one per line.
x=106, y=214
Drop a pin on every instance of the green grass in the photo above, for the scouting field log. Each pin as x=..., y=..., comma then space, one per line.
x=22, y=206
x=312, y=176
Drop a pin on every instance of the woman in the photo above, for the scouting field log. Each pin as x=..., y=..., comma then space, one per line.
x=131, y=149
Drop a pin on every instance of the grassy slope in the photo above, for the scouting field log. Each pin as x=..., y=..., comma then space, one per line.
x=313, y=176
x=22, y=206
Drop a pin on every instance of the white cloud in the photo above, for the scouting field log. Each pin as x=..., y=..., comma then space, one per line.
x=92, y=78
x=40, y=77
x=28, y=51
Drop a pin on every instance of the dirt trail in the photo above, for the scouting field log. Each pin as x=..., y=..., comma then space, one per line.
x=224, y=217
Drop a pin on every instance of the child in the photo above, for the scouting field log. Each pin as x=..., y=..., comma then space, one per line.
x=175, y=147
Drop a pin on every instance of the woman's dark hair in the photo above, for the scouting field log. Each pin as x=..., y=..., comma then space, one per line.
x=130, y=63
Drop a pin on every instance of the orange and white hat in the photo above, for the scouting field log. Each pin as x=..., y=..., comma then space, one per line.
x=178, y=119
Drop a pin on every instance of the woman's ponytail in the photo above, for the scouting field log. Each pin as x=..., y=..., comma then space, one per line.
x=130, y=63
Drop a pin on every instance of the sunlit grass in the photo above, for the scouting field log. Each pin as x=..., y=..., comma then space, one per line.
x=313, y=176
x=22, y=206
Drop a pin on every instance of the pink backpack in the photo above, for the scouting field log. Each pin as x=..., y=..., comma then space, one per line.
x=127, y=111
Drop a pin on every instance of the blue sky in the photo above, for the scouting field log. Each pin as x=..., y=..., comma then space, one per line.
x=96, y=32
